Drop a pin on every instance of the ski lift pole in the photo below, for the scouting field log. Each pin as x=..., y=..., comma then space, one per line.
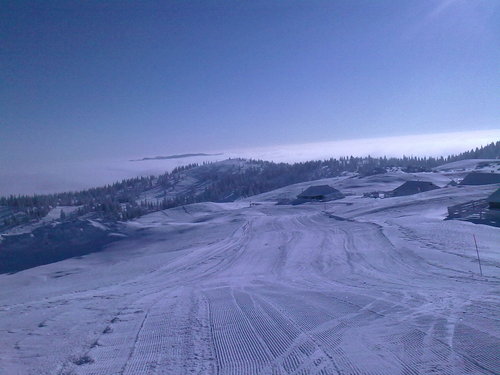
x=478, y=259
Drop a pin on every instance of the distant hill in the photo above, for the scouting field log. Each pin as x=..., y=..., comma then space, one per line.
x=180, y=156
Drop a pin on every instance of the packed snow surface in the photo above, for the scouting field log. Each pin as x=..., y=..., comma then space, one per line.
x=355, y=286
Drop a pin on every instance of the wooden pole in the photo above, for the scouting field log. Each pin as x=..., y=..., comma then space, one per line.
x=478, y=259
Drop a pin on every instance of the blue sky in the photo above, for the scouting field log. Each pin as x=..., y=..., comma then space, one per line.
x=91, y=79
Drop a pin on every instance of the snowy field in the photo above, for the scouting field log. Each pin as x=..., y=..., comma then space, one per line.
x=355, y=286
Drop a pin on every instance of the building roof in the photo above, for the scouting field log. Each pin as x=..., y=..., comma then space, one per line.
x=495, y=197
x=318, y=190
x=414, y=187
x=478, y=178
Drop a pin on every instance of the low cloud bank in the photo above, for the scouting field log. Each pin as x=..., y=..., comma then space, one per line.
x=412, y=145
x=57, y=177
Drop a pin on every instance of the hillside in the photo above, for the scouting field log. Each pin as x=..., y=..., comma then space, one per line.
x=223, y=181
x=33, y=219
x=352, y=286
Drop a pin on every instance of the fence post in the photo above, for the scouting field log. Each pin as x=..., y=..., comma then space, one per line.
x=478, y=259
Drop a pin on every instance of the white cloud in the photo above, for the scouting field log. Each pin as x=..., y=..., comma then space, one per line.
x=417, y=145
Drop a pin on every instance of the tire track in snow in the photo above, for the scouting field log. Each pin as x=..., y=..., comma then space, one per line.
x=251, y=337
x=310, y=320
x=298, y=351
x=238, y=349
x=171, y=336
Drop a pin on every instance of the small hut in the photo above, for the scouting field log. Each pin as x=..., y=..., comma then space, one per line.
x=318, y=193
x=413, y=187
x=478, y=178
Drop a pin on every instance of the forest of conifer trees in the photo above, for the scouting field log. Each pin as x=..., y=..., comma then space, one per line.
x=120, y=200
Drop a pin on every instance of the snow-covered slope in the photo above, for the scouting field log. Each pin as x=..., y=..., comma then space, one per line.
x=459, y=169
x=480, y=165
x=194, y=181
x=355, y=286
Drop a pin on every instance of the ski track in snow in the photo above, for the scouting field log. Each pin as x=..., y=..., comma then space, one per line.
x=265, y=290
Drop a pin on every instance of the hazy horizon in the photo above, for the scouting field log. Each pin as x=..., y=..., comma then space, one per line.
x=49, y=177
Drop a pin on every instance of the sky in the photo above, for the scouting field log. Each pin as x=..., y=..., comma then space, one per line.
x=98, y=79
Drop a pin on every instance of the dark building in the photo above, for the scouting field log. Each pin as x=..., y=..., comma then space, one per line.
x=477, y=178
x=320, y=192
x=494, y=200
x=413, y=187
